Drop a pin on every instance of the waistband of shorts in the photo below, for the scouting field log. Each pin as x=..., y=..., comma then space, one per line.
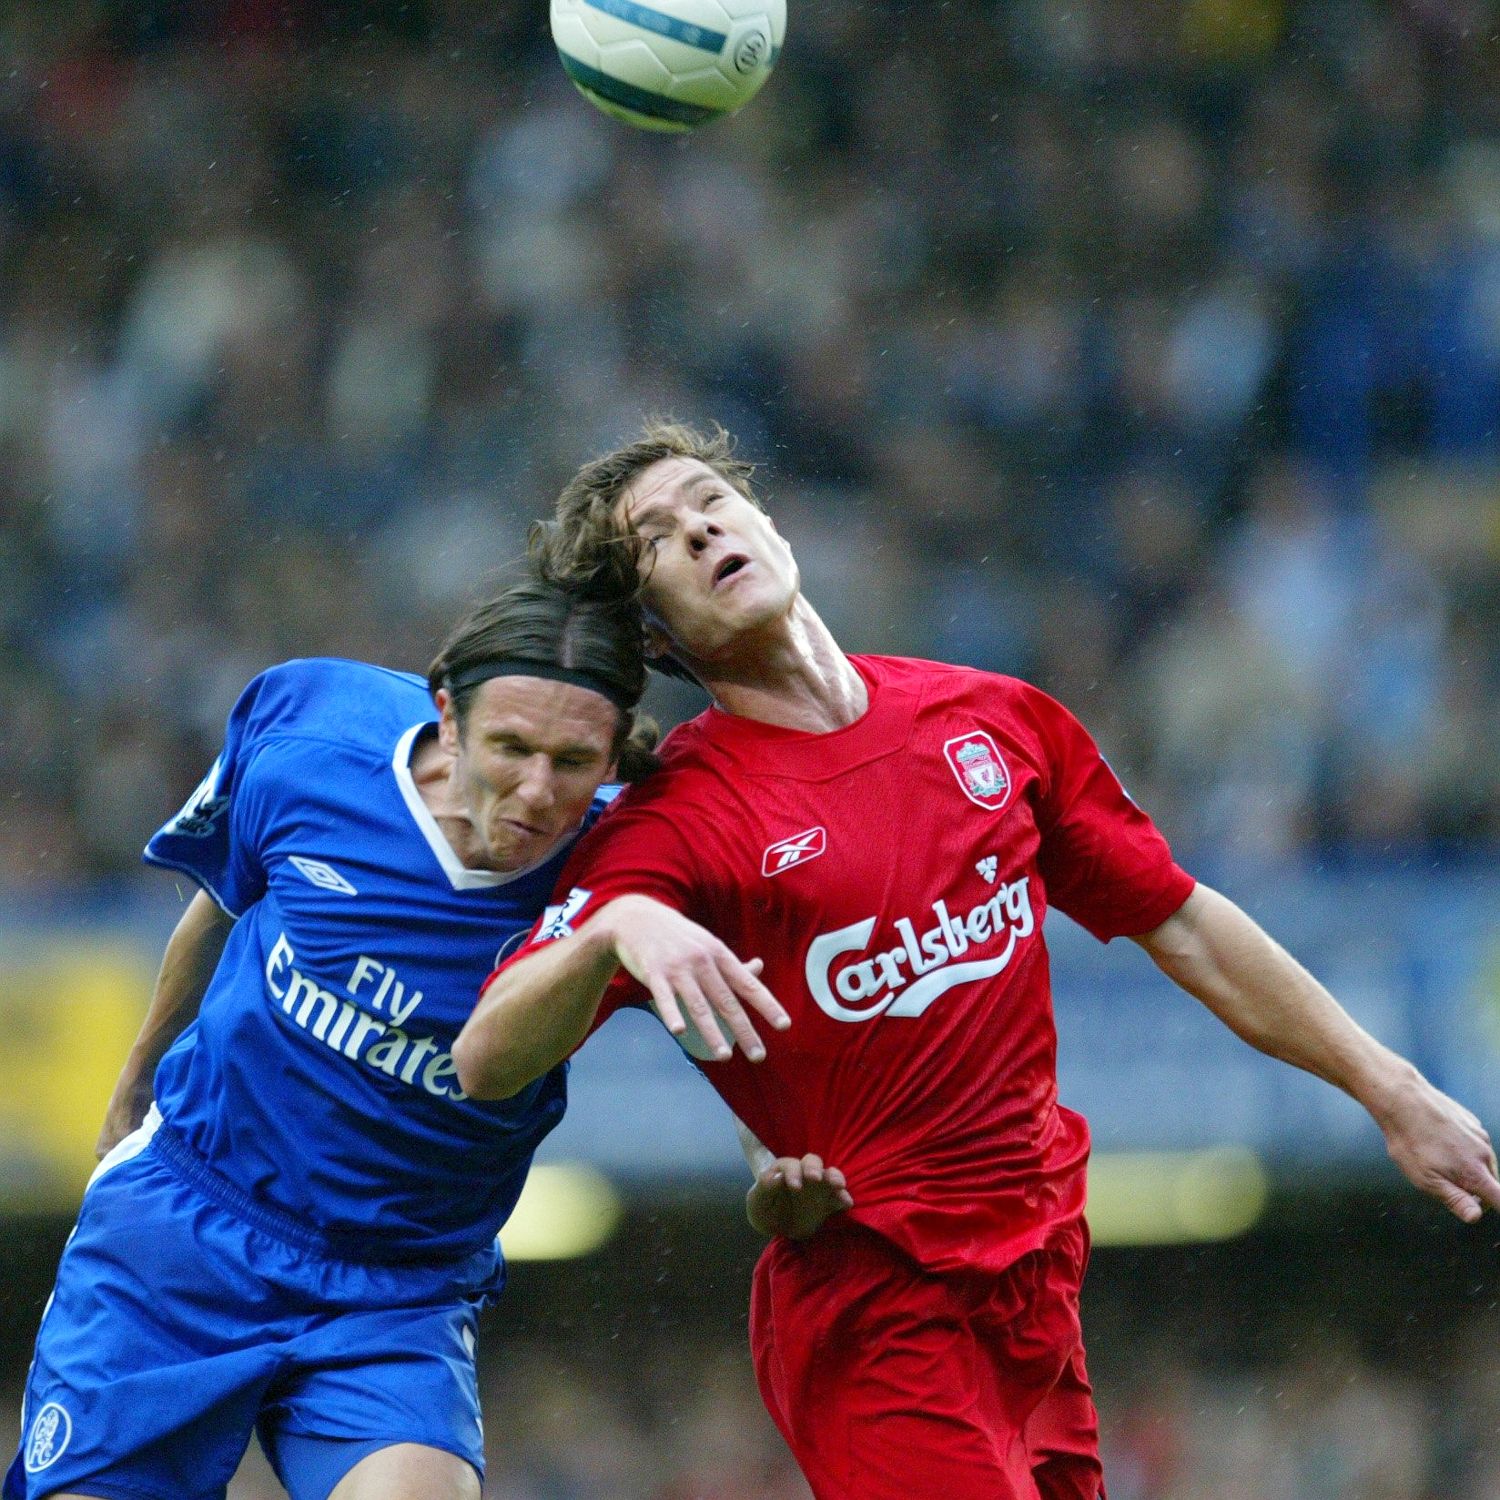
x=169, y=1145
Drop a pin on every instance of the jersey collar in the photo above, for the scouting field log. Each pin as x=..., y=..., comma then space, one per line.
x=460, y=876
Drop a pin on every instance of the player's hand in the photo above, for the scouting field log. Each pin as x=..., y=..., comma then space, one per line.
x=124, y=1114
x=692, y=977
x=1441, y=1147
x=794, y=1195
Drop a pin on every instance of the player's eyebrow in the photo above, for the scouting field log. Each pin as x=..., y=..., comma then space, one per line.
x=647, y=514
x=503, y=735
x=659, y=510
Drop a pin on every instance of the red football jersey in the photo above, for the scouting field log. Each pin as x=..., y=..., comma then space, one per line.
x=894, y=876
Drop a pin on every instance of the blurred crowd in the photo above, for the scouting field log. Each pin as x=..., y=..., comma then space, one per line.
x=1326, y=1425
x=1149, y=349
x=687, y=1424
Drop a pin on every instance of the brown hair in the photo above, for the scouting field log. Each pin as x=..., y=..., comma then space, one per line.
x=542, y=620
x=586, y=544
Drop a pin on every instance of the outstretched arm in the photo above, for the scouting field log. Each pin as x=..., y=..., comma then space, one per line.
x=191, y=955
x=791, y=1195
x=537, y=1010
x=1220, y=955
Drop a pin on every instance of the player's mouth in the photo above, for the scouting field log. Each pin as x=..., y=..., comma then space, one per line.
x=730, y=567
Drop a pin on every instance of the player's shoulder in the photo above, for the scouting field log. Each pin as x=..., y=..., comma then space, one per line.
x=683, y=782
x=330, y=698
x=919, y=674
x=1026, y=715
x=604, y=799
x=680, y=757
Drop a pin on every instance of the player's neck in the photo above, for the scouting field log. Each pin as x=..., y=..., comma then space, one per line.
x=793, y=675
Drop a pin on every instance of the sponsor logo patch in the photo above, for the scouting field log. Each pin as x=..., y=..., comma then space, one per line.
x=988, y=867
x=904, y=979
x=325, y=877
x=557, y=921
x=48, y=1439
x=980, y=769
x=786, y=854
x=202, y=811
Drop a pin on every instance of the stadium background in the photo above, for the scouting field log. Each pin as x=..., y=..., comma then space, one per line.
x=1146, y=348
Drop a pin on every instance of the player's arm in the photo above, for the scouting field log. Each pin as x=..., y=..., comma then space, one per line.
x=791, y=1195
x=1220, y=955
x=538, y=1009
x=191, y=955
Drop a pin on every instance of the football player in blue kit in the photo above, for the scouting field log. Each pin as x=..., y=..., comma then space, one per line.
x=297, y=1236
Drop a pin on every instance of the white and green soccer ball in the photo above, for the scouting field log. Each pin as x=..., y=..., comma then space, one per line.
x=669, y=64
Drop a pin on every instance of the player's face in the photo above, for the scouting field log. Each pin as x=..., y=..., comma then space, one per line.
x=716, y=566
x=527, y=765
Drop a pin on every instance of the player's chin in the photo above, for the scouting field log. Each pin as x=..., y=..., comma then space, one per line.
x=513, y=846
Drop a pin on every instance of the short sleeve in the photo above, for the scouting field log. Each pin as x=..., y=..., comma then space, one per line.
x=1102, y=859
x=215, y=838
x=632, y=851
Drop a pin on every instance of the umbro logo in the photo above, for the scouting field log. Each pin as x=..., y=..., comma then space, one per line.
x=325, y=877
x=988, y=867
x=785, y=854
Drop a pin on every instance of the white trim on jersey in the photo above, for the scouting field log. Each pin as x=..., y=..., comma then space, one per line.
x=132, y=1145
x=460, y=877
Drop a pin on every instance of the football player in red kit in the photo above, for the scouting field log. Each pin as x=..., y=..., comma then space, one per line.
x=878, y=841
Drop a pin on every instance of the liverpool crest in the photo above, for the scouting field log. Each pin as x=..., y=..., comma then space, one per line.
x=980, y=769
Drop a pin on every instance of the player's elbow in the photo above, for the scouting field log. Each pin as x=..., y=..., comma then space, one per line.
x=483, y=1070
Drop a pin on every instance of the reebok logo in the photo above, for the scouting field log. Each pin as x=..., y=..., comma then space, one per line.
x=786, y=854
x=325, y=877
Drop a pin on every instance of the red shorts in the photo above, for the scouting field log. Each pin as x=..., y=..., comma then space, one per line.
x=890, y=1382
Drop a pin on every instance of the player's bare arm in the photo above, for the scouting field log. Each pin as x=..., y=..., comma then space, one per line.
x=1223, y=958
x=187, y=964
x=791, y=1195
x=536, y=1011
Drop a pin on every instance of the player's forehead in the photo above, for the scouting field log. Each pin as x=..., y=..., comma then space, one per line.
x=555, y=717
x=665, y=484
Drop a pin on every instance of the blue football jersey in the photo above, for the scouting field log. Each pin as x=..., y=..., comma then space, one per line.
x=319, y=1075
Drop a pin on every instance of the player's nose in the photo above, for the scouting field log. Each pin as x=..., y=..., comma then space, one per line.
x=701, y=531
x=537, y=788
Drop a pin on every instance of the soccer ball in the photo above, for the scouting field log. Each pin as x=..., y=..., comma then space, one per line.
x=672, y=64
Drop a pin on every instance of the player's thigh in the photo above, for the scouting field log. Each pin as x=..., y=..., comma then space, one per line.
x=149, y=1367
x=387, y=1391
x=1062, y=1433
x=409, y=1471
x=1062, y=1438
x=875, y=1377
x=318, y=1468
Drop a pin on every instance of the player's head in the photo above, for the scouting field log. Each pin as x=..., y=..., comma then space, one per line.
x=537, y=688
x=671, y=518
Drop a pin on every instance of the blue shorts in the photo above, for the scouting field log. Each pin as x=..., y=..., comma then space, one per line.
x=177, y=1327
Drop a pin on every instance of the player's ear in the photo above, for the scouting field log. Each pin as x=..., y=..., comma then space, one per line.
x=447, y=720
x=657, y=641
